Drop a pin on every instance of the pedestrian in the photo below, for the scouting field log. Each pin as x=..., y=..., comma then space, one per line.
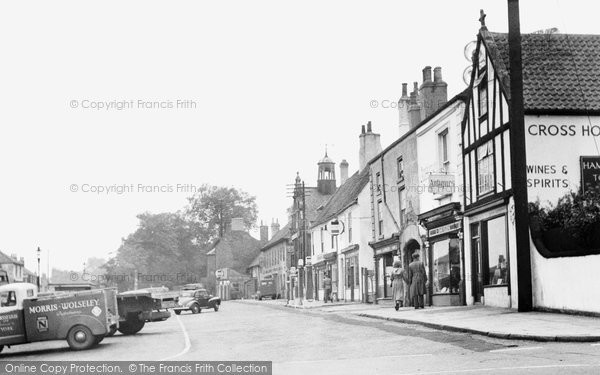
x=417, y=278
x=397, y=283
x=327, y=287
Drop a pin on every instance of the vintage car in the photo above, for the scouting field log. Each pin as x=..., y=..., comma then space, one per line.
x=195, y=301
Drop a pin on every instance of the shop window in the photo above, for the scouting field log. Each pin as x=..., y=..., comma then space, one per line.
x=485, y=168
x=497, y=249
x=446, y=266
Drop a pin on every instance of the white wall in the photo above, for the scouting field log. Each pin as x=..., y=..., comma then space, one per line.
x=570, y=283
x=429, y=158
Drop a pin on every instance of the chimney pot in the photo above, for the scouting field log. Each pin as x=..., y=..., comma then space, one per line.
x=405, y=89
x=437, y=74
x=416, y=87
x=363, y=129
x=369, y=127
x=427, y=74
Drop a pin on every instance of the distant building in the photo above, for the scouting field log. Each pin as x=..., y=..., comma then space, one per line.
x=306, y=201
x=234, y=251
x=14, y=267
x=274, y=259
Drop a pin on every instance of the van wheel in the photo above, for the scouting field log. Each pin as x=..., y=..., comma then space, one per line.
x=80, y=337
x=98, y=339
x=177, y=312
x=216, y=307
x=131, y=326
x=195, y=309
x=1, y=347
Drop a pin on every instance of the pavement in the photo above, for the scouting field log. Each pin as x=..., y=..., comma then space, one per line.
x=481, y=320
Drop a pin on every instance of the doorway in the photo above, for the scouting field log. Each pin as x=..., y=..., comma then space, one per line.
x=476, y=262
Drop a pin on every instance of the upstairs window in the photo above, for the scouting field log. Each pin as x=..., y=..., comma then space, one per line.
x=378, y=182
x=349, y=227
x=443, y=150
x=485, y=168
x=400, y=164
x=380, y=218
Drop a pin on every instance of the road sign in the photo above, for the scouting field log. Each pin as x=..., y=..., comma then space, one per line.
x=219, y=273
x=336, y=227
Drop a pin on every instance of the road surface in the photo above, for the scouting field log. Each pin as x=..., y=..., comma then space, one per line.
x=324, y=341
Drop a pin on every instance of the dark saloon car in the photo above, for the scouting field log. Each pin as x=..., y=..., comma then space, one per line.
x=195, y=301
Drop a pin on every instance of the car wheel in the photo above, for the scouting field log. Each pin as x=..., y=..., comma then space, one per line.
x=80, y=337
x=1, y=347
x=260, y=298
x=195, y=309
x=177, y=312
x=216, y=307
x=131, y=326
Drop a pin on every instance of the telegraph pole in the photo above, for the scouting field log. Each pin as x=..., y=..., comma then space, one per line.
x=518, y=159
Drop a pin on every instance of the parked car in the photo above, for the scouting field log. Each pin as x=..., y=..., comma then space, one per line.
x=195, y=301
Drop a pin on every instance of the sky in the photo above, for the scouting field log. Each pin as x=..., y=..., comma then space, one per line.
x=98, y=98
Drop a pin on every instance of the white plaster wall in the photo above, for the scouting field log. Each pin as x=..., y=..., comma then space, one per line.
x=428, y=155
x=570, y=283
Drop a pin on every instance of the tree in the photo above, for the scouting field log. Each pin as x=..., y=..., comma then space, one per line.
x=211, y=209
x=161, y=252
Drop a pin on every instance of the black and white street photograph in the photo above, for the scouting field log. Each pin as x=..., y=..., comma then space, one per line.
x=284, y=187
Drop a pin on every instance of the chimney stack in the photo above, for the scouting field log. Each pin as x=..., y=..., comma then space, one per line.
x=274, y=227
x=237, y=224
x=343, y=171
x=403, y=103
x=264, y=232
x=437, y=74
x=370, y=145
x=414, y=109
x=434, y=94
x=427, y=74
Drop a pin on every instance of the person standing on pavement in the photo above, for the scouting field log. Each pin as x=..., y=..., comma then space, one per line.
x=417, y=278
x=397, y=283
x=327, y=287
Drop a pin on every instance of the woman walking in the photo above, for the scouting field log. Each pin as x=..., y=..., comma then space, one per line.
x=398, y=279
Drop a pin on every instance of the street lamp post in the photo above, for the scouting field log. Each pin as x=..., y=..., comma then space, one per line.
x=39, y=254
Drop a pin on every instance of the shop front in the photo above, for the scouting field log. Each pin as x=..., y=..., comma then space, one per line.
x=384, y=252
x=350, y=274
x=444, y=243
x=325, y=264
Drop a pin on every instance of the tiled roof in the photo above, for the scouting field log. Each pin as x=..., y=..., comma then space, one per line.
x=4, y=259
x=344, y=196
x=283, y=233
x=561, y=72
x=314, y=200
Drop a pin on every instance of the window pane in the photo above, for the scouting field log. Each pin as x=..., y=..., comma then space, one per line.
x=497, y=251
x=441, y=267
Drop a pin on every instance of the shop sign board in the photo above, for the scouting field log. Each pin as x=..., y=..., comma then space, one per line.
x=445, y=229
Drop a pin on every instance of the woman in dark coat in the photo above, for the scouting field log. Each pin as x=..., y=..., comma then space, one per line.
x=417, y=278
x=398, y=279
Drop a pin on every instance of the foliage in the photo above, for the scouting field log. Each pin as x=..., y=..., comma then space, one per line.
x=161, y=252
x=576, y=214
x=211, y=209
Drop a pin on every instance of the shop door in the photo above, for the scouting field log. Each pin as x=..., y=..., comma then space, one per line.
x=476, y=262
x=388, y=263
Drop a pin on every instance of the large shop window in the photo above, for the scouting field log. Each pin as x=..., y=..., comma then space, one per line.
x=497, y=247
x=485, y=168
x=446, y=266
